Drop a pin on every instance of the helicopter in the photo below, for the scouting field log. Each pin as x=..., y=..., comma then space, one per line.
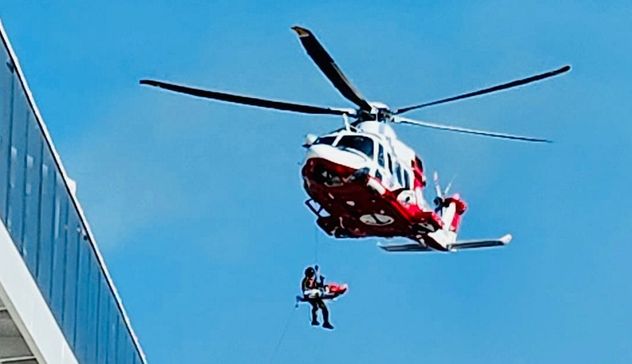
x=362, y=181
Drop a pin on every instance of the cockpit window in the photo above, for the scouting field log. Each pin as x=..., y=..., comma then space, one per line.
x=329, y=140
x=357, y=142
x=406, y=179
x=380, y=155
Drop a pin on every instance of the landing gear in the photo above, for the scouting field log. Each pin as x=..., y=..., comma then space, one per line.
x=328, y=223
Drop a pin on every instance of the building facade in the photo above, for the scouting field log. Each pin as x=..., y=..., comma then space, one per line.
x=58, y=303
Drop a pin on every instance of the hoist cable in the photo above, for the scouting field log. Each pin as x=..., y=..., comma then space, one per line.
x=280, y=341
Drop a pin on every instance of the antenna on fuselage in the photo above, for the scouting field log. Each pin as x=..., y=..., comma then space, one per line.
x=447, y=189
x=435, y=179
x=438, y=200
x=346, y=121
x=441, y=193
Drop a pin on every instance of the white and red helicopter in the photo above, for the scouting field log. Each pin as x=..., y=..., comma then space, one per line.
x=361, y=179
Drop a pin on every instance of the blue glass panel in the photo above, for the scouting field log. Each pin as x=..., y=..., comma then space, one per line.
x=113, y=327
x=120, y=342
x=17, y=165
x=60, y=230
x=103, y=327
x=7, y=83
x=47, y=208
x=123, y=347
x=73, y=239
x=93, y=309
x=30, y=219
x=83, y=293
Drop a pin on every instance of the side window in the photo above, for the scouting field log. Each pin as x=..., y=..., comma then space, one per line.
x=398, y=173
x=380, y=155
x=390, y=162
x=358, y=143
x=406, y=179
x=325, y=140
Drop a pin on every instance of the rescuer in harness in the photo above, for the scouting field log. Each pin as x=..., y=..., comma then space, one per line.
x=316, y=292
x=313, y=292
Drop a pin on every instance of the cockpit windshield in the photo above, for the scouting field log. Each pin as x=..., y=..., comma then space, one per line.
x=329, y=140
x=359, y=143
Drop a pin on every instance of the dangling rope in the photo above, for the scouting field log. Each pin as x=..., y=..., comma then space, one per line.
x=316, y=245
x=289, y=317
x=280, y=341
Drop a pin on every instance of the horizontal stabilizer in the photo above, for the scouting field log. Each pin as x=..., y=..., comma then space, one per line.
x=475, y=244
x=405, y=248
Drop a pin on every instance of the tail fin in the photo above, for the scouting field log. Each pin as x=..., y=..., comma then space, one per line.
x=453, y=208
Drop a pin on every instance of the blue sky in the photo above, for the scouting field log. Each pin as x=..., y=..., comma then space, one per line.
x=198, y=206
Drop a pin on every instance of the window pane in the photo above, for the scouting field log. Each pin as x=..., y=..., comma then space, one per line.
x=93, y=309
x=59, y=250
x=83, y=292
x=103, y=327
x=113, y=333
x=356, y=142
x=73, y=241
x=45, y=258
x=124, y=345
x=30, y=246
x=398, y=173
x=17, y=166
x=325, y=140
x=6, y=91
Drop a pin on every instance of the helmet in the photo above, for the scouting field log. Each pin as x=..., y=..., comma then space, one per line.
x=309, y=272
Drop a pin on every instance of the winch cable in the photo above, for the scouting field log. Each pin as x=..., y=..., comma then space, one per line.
x=316, y=241
x=283, y=332
x=286, y=326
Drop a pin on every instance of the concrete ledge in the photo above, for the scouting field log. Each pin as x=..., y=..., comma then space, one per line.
x=28, y=309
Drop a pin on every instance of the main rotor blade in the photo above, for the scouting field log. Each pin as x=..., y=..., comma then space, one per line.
x=503, y=86
x=425, y=124
x=327, y=65
x=247, y=100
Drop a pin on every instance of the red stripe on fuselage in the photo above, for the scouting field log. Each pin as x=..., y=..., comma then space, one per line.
x=357, y=209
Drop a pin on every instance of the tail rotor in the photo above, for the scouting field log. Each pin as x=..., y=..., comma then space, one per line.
x=440, y=193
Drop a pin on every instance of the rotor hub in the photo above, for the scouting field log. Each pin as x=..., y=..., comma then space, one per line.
x=379, y=112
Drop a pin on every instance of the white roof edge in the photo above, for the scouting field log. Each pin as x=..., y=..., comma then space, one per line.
x=73, y=198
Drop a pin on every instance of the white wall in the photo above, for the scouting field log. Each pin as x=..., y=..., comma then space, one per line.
x=27, y=307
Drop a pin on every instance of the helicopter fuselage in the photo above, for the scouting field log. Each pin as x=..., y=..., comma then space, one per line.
x=364, y=182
